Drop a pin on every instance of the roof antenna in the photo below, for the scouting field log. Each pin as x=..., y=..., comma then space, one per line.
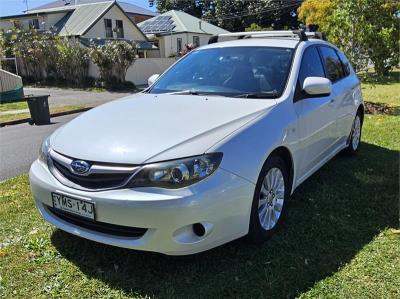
x=26, y=3
x=67, y=2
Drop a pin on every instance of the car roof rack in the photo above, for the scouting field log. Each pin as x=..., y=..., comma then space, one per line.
x=302, y=35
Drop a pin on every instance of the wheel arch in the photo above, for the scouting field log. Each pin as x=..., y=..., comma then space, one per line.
x=361, y=109
x=284, y=153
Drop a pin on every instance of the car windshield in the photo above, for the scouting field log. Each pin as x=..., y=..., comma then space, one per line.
x=249, y=72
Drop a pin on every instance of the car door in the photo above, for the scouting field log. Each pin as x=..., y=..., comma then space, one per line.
x=341, y=92
x=349, y=86
x=316, y=117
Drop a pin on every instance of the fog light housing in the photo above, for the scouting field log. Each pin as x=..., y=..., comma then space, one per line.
x=199, y=229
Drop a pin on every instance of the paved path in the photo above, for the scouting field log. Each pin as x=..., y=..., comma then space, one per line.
x=62, y=97
x=19, y=145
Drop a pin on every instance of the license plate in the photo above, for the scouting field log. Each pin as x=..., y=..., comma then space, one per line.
x=73, y=205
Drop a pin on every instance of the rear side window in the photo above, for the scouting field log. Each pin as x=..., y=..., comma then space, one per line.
x=311, y=65
x=345, y=63
x=333, y=65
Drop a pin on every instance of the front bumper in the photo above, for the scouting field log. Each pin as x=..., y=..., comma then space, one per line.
x=221, y=202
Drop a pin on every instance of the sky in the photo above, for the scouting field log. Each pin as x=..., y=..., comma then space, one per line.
x=14, y=7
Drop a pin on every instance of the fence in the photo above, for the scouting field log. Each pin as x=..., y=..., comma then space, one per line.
x=141, y=70
x=10, y=86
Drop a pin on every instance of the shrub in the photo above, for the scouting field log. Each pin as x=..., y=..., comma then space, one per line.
x=35, y=52
x=113, y=59
x=72, y=62
x=44, y=57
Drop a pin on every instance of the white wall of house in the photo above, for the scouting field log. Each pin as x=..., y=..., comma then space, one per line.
x=168, y=44
x=5, y=25
x=45, y=21
x=131, y=32
x=141, y=70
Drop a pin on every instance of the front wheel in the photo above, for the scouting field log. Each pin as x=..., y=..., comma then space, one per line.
x=270, y=196
x=355, y=136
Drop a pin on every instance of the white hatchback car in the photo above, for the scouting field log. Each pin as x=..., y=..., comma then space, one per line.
x=208, y=153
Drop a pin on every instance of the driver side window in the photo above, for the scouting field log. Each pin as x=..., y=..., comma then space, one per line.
x=311, y=66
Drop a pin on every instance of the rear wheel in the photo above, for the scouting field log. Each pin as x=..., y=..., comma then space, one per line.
x=270, y=196
x=355, y=136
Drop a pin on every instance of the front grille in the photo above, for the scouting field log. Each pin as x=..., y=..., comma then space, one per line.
x=102, y=227
x=100, y=176
x=93, y=180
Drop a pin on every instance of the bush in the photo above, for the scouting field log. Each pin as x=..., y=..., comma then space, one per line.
x=72, y=62
x=45, y=57
x=113, y=59
x=366, y=30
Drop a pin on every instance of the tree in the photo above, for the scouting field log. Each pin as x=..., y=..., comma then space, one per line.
x=192, y=7
x=316, y=12
x=236, y=15
x=367, y=30
x=255, y=27
x=72, y=61
x=113, y=59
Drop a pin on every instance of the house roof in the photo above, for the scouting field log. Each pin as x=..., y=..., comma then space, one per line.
x=80, y=18
x=178, y=22
x=83, y=17
x=61, y=5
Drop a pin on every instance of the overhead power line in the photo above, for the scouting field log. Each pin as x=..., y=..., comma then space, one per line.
x=275, y=8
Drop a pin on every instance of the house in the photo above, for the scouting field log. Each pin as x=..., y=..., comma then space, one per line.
x=136, y=13
x=171, y=30
x=98, y=22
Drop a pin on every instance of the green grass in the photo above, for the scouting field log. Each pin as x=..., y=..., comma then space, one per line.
x=13, y=106
x=337, y=242
x=16, y=116
x=386, y=92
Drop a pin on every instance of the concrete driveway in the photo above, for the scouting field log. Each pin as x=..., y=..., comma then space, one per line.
x=63, y=97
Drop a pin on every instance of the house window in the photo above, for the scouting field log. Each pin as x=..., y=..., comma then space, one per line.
x=17, y=24
x=34, y=24
x=179, y=44
x=196, y=41
x=108, y=26
x=120, y=28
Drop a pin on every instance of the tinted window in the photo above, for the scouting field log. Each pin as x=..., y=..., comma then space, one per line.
x=311, y=65
x=345, y=63
x=332, y=63
x=229, y=71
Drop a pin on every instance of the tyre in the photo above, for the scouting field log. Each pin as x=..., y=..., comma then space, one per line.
x=270, y=196
x=355, y=135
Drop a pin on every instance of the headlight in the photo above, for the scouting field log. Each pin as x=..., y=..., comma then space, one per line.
x=44, y=150
x=177, y=173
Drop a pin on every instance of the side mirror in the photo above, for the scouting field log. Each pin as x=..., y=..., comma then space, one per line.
x=317, y=86
x=152, y=79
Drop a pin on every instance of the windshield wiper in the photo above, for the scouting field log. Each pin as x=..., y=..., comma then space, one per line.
x=191, y=92
x=262, y=95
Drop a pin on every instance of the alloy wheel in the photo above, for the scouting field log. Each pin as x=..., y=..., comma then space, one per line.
x=355, y=138
x=272, y=196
